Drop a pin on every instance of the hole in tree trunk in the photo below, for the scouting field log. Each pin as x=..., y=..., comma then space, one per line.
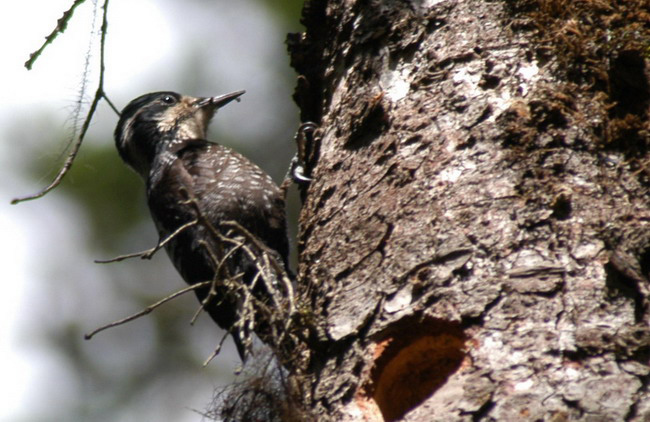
x=412, y=362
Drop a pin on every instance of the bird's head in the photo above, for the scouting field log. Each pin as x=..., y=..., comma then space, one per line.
x=162, y=117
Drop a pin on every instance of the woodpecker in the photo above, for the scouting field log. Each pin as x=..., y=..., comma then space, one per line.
x=162, y=136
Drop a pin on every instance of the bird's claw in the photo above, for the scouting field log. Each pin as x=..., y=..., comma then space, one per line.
x=303, y=136
x=297, y=171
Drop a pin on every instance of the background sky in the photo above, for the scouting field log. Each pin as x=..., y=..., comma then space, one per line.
x=52, y=292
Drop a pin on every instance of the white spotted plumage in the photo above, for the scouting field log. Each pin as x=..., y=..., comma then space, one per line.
x=161, y=136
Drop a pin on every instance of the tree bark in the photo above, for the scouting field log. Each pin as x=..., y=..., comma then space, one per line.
x=474, y=244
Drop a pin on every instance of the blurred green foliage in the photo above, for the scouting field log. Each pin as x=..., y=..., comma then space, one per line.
x=110, y=193
x=288, y=10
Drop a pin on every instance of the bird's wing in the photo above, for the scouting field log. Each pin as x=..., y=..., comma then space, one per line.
x=228, y=186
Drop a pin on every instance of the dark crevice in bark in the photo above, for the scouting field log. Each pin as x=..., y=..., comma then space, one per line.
x=305, y=52
x=620, y=284
x=478, y=321
x=483, y=411
x=634, y=408
x=369, y=123
x=575, y=405
x=644, y=262
x=628, y=75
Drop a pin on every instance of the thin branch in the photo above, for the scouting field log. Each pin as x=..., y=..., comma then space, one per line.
x=258, y=244
x=277, y=315
x=212, y=293
x=147, y=310
x=110, y=103
x=149, y=252
x=99, y=94
x=269, y=262
x=69, y=159
x=142, y=254
x=217, y=349
x=61, y=25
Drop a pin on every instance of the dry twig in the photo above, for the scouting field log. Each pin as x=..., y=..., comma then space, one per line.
x=149, y=252
x=61, y=25
x=252, y=304
x=146, y=310
x=99, y=95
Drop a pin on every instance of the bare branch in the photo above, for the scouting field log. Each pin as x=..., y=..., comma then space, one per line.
x=68, y=161
x=149, y=252
x=142, y=254
x=258, y=244
x=216, y=349
x=99, y=94
x=272, y=311
x=61, y=25
x=147, y=310
x=110, y=103
x=220, y=265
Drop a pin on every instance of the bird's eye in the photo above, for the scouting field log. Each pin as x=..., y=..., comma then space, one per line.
x=169, y=99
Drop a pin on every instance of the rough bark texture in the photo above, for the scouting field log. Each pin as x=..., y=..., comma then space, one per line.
x=474, y=244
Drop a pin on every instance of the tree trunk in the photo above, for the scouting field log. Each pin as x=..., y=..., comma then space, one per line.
x=474, y=244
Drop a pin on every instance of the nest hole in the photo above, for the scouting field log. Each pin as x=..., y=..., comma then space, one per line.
x=412, y=363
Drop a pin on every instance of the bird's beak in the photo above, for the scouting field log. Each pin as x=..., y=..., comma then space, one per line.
x=219, y=101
